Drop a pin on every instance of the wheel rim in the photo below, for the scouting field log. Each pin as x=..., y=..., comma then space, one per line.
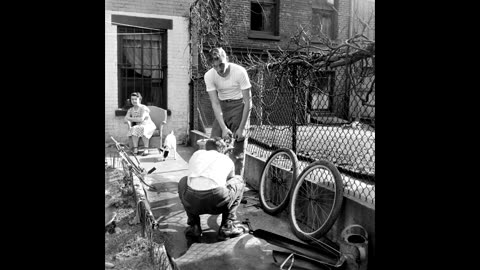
x=315, y=197
x=277, y=181
x=149, y=236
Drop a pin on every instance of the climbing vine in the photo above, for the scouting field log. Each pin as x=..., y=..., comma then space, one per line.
x=299, y=90
x=207, y=21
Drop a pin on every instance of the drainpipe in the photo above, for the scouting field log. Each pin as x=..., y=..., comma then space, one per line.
x=346, y=110
x=350, y=27
x=294, y=106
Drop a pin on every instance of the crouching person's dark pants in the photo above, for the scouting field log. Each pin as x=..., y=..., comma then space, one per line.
x=221, y=200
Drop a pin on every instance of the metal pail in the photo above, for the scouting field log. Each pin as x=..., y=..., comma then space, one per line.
x=354, y=245
x=201, y=144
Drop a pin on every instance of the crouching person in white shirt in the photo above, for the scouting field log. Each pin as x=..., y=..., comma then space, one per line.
x=211, y=187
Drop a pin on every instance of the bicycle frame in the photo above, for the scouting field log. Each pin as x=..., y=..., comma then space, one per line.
x=145, y=214
x=137, y=169
x=148, y=219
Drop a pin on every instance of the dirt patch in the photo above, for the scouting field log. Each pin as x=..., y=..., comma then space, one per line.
x=125, y=248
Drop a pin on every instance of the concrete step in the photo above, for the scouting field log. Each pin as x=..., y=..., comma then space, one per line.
x=154, y=142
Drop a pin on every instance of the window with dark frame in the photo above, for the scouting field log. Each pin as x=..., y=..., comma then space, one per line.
x=320, y=97
x=323, y=19
x=264, y=16
x=141, y=54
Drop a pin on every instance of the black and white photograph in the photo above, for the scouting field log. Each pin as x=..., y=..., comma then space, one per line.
x=240, y=134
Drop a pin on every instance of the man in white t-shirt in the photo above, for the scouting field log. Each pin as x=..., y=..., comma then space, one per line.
x=229, y=89
x=211, y=187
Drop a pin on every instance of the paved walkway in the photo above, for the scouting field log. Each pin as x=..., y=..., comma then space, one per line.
x=244, y=252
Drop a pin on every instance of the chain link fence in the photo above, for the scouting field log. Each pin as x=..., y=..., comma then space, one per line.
x=321, y=105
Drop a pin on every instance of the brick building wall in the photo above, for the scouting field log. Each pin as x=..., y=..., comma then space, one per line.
x=176, y=8
x=344, y=10
x=292, y=14
x=178, y=61
x=113, y=126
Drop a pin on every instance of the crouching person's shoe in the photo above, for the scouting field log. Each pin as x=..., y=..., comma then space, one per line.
x=229, y=230
x=193, y=231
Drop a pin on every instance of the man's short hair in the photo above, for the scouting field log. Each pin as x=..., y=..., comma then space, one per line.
x=216, y=143
x=216, y=54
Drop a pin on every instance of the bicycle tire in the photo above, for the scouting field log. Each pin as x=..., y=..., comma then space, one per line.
x=275, y=184
x=142, y=216
x=149, y=236
x=147, y=229
x=306, y=200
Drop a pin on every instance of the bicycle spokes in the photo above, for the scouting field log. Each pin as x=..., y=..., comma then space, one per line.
x=277, y=180
x=316, y=200
x=316, y=203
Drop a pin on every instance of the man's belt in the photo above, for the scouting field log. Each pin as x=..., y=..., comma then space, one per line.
x=231, y=100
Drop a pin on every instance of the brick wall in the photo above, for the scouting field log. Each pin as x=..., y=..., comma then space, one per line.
x=113, y=127
x=159, y=7
x=292, y=14
x=178, y=62
x=343, y=19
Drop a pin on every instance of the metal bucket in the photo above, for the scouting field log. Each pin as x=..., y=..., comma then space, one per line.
x=201, y=144
x=354, y=245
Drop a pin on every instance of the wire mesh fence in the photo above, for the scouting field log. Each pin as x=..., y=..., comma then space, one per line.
x=321, y=105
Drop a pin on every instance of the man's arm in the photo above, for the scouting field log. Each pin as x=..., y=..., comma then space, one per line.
x=218, y=113
x=247, y=99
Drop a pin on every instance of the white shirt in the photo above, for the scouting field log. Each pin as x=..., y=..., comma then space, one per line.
x=208, y=164
x=229, y=87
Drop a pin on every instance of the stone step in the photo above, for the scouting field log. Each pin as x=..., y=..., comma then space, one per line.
x=154, y=142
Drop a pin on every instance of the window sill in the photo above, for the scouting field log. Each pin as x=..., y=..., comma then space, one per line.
x=122, y=112
x=262, y=35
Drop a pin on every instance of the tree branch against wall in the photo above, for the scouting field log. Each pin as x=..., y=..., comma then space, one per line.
x=356, y=54
x=207, y=20
x=290, y=82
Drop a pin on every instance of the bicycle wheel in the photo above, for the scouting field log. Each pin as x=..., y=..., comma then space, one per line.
x=316, y=200
x=142, y=215
x=148, y=228
x=278, y=177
